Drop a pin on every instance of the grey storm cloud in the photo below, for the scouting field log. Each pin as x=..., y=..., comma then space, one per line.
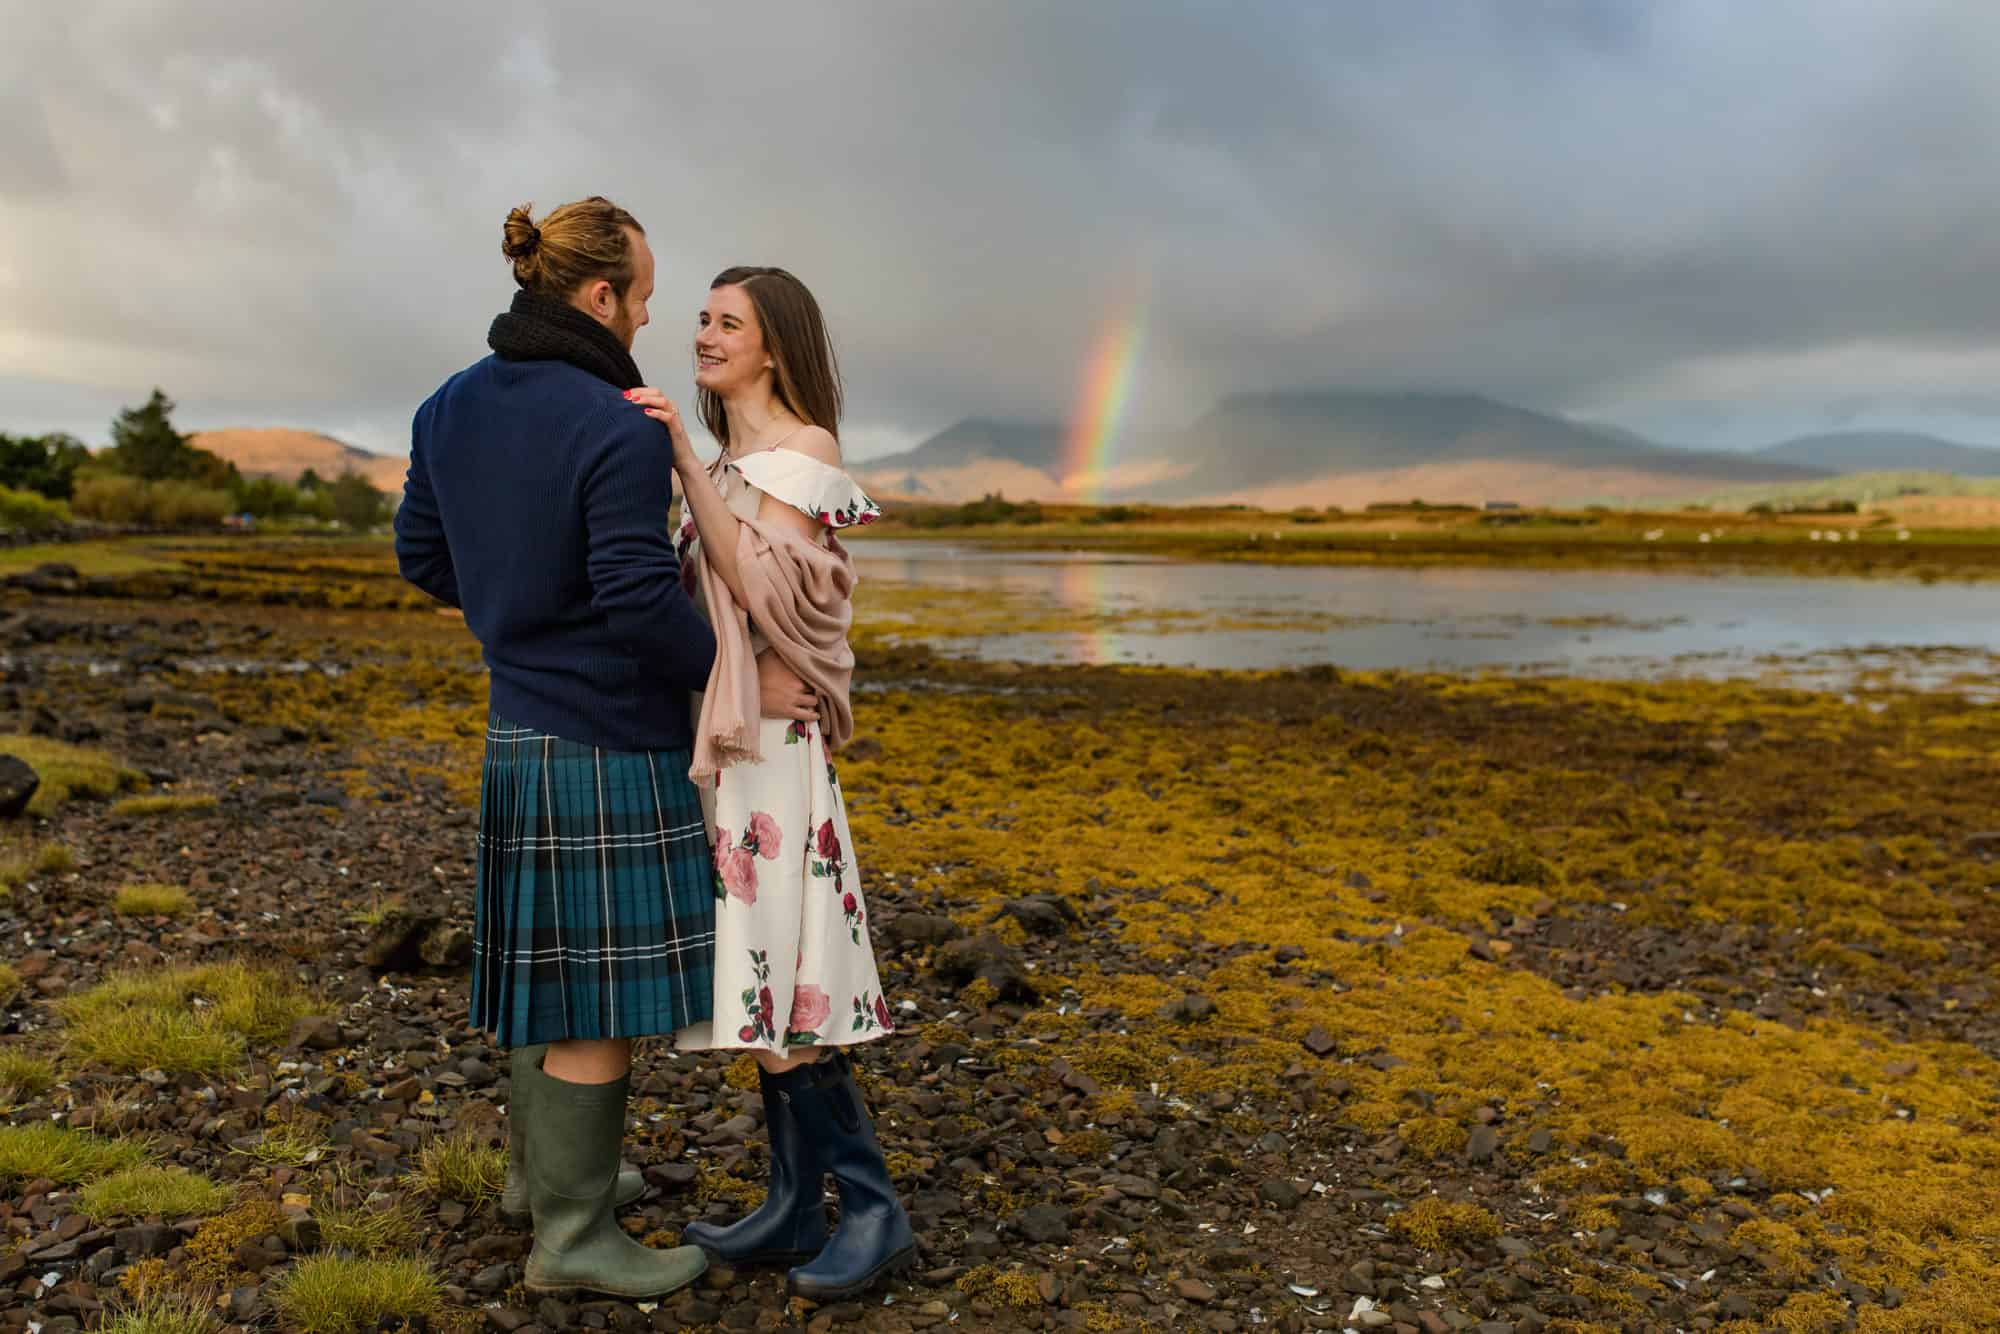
x=1634, y=210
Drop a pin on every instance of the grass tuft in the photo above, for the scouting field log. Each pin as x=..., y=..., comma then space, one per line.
x=24, y=1074
x=17, y=868
x=164, y=803
x=153, y=900
x=164, y=1313
x=377, y=1226
x=291, y=1140
x=460, y=1167
x=139, y=1192
x=63, y=1155
x=10, y=982
x=68, y=772
x=334, y=1294
x=202, y=1019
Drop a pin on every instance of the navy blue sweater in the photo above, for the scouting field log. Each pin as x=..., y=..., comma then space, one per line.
x=537, y=502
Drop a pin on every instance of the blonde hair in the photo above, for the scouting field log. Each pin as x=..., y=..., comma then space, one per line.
x=573, y=245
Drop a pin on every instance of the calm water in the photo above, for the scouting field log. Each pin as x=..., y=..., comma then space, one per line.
x=1603, y=623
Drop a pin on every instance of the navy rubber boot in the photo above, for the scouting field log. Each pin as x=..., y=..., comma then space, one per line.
x=790, y=1225
x=874, y=1237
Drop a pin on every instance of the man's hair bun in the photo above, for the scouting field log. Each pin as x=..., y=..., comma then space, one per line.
x=574, y=244
x=522, y=237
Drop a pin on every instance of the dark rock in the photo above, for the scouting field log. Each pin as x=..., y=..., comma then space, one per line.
x=51, y=578
x=986, y=958
x=246, y=1304
x=1280, y=1193
x=18, y=782
x=316, y=1032
x=1047, y=1224
x=1194, y=1290
x=446, y=947
x=145, y=1239
x=1479, y=1146
x=1189, y=1009
x=1042, y=914
x=916, y=928
x=396, y=943
x=672, y=1176
x=1320, y=1042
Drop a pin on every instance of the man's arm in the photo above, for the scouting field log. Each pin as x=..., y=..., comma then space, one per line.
x=635, y=581
x=422, y=553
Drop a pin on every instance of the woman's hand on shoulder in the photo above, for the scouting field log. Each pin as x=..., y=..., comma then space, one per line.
x=662, y=410
x=815, y=442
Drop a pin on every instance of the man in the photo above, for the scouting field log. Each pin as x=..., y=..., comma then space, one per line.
x=537, y=502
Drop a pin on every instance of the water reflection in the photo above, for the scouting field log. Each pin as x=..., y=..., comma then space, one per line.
x=1097, y=608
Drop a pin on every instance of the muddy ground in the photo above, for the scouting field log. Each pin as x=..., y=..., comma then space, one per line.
x=1225, y=1001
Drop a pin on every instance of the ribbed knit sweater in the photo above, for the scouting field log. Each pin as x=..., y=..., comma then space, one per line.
x=537, y=502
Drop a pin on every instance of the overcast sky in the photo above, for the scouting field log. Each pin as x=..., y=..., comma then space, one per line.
x=1713, y=221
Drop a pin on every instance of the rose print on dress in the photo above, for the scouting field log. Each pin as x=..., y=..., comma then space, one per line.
x=795, y=733
x=871, y=1014
x=828, y=864
x=735, y=874
x=810, y=1008
x=736, y=866
x=757, y=1003
x=762, y=836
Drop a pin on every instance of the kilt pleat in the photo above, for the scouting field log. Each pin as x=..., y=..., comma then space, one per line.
x=595, y=914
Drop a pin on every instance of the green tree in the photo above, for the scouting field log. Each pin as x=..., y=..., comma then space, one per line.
x=144, y=444
x=264, y=497
x=310, y=481
x=356, y=502
x=45, y=464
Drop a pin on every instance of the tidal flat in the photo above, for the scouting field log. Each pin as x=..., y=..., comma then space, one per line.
x=1227, y=1000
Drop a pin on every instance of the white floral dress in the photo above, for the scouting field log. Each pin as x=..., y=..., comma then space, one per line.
x=793, y=963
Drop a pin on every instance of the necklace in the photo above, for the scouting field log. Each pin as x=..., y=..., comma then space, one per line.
x=778, y=417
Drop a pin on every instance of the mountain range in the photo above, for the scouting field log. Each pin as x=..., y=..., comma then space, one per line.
x=1885, y=451
x=1288, y=449
x=1352, y=448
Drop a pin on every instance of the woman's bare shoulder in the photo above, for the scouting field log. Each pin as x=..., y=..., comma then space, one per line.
x=815, y=442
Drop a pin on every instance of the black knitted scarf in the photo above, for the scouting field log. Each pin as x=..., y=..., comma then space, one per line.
x=537, y=329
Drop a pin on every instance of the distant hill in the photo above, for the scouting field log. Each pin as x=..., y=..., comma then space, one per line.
x=1320, y=448
x=285, y=454
x=1885, y=451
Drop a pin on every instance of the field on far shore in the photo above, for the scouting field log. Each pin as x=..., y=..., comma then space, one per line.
x=1923, y=537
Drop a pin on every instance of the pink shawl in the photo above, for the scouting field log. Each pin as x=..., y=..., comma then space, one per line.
x=799, y=596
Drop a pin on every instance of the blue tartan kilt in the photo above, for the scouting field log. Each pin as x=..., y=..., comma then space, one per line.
x=595, y=915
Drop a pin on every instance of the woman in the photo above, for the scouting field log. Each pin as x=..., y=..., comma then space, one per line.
x=795, y=975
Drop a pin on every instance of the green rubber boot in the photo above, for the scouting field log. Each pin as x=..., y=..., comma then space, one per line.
x=514, y=1195
x=574, y=1137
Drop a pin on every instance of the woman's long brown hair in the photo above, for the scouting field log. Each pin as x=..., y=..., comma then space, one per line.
x=802, y=360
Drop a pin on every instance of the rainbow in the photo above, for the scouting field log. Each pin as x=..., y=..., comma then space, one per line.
x=1107, y=393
